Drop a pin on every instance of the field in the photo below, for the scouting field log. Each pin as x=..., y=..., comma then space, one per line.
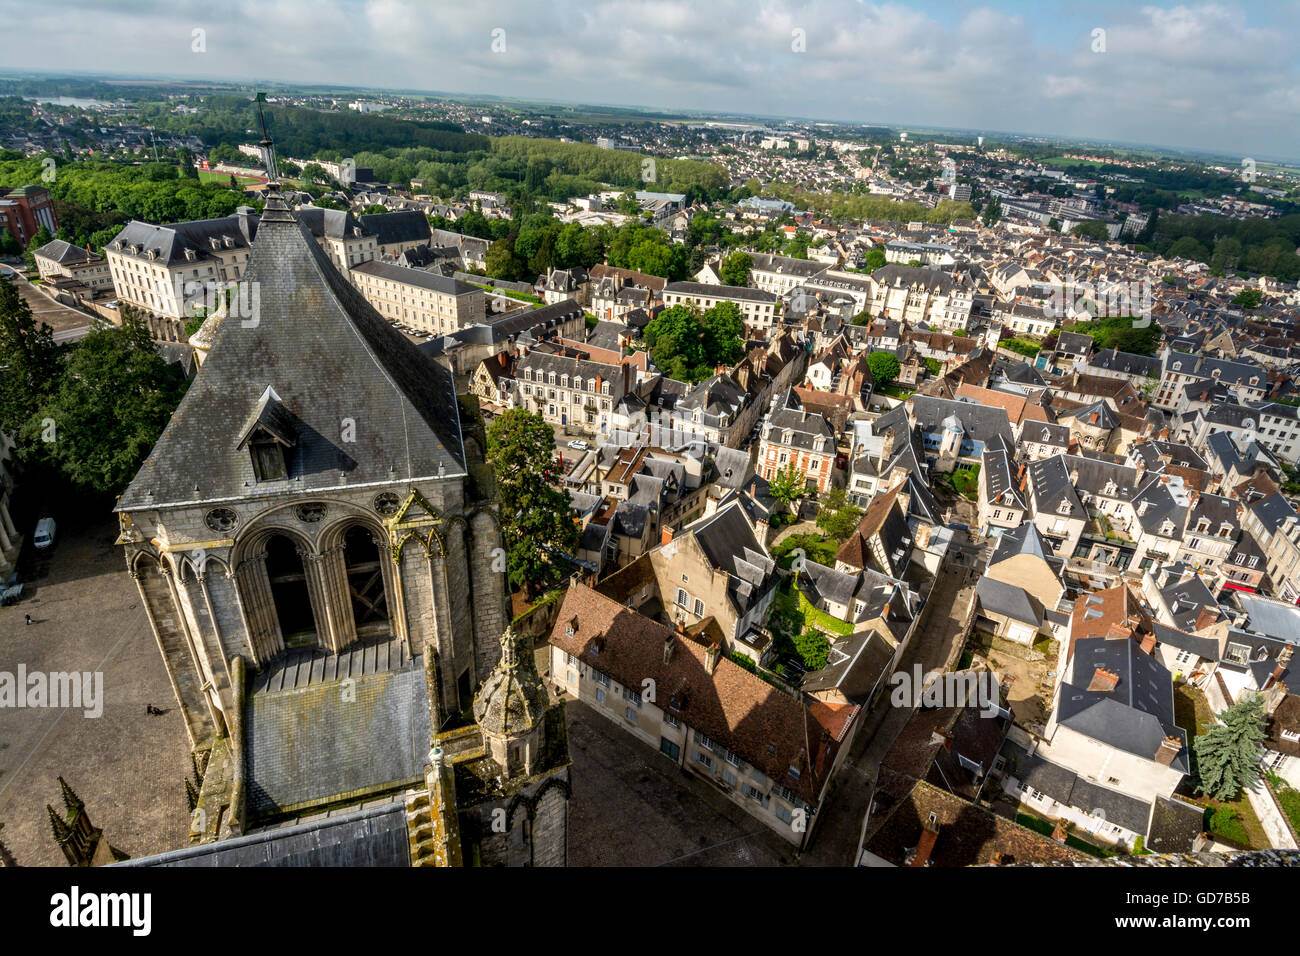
x=207, y=176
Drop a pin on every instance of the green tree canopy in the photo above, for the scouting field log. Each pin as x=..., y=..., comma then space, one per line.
x=838, y=517
x=736, y=267
x=788, y=485
x=538, y=526
x=1227, y=754
x=111, y=401
x=29, y=355
x=884, y=367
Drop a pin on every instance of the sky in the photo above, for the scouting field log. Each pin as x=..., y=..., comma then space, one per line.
x=1223, y=77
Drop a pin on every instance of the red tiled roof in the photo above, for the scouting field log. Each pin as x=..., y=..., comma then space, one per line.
x=769, y=728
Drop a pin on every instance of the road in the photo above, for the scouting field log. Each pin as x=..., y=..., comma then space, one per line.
x=69, y=324
x=934, y=646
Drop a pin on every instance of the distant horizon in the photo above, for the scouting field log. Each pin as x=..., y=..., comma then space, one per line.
x=639, y=110
x=1212, y=78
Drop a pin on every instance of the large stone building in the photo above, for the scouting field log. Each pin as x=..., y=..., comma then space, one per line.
x=165, y=271
x=321, y=571
x=424, y=301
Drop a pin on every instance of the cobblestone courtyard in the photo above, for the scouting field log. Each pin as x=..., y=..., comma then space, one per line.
x=127, y=766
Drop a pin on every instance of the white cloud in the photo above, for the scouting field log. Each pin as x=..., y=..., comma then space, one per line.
x=1207, y=75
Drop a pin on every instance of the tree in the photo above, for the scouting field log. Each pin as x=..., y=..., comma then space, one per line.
x=1248, y=298
x=1094, y=230
x=735, y=268
x=111, y=401
x=42, y=237
x=788, y=485
x=813, y=648
x=501, y=261
x=874, y=259
x=838, y=516
x=884, y=368
x=538, y=526
x=992, y=212
x=1227, y=755
x=29, y=356
x=724, y=334
x=315, y=173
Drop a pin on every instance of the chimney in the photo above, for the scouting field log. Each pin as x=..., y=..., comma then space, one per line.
x=1208, y=616
x=1170, y=748
x=666, y=534
x=1103, y=681
x=711, y=655
x=925, y=845
x=1149, y=644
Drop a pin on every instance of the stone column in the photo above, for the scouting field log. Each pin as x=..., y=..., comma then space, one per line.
x=337, y=597
x=198, y=650
x=263, y=623
x=150, y=613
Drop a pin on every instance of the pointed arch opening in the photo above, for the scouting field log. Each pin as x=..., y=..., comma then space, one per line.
x=365, y=575
x=288, y=579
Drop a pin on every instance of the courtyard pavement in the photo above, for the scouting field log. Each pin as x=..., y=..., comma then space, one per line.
x=126, y=766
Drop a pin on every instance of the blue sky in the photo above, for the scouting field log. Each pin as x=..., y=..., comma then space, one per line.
x=1219, y=76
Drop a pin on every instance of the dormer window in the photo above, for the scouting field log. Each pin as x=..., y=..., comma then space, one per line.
x=1167, y=529
x=270, y=437
x=1064, y=506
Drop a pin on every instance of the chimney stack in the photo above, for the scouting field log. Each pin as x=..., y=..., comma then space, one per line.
x=1103, y=681
x=711, y=655
x=666, y=534
x=1170, y=748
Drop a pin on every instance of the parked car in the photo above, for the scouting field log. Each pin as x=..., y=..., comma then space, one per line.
x=578, y=445
x=44, y=536
x=13, y=590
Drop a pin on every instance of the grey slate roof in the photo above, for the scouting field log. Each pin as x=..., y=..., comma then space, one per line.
x=306, y=743
x=416, y=277
x=329, y=356
x=370, y=837
x=1065, y=786
x=1134, y=717
x=390, y=228
x=1009, y=601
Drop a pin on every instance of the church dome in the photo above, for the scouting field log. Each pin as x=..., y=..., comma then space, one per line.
x=513, y=700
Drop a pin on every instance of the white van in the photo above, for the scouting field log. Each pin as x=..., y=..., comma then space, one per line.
x=44, y=536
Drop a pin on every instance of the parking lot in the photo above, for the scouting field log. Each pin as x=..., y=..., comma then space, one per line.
x=127, y=766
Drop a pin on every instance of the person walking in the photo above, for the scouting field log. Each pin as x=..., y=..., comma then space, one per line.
x=28, y=618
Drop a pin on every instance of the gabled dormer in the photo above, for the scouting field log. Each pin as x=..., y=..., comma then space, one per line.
x=270, y=437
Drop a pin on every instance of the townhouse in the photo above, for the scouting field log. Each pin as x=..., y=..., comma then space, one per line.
x=771, y=752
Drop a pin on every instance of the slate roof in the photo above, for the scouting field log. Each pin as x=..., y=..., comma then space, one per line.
x=369, y=837
x=1174, y=826
x=65, y=253
x=728, y=540
x=1137, y=715
x=416, y=277
x=391, y=228
x=979, y=422
x=1068, y=788
x=1008, y=600
x=329, y=356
